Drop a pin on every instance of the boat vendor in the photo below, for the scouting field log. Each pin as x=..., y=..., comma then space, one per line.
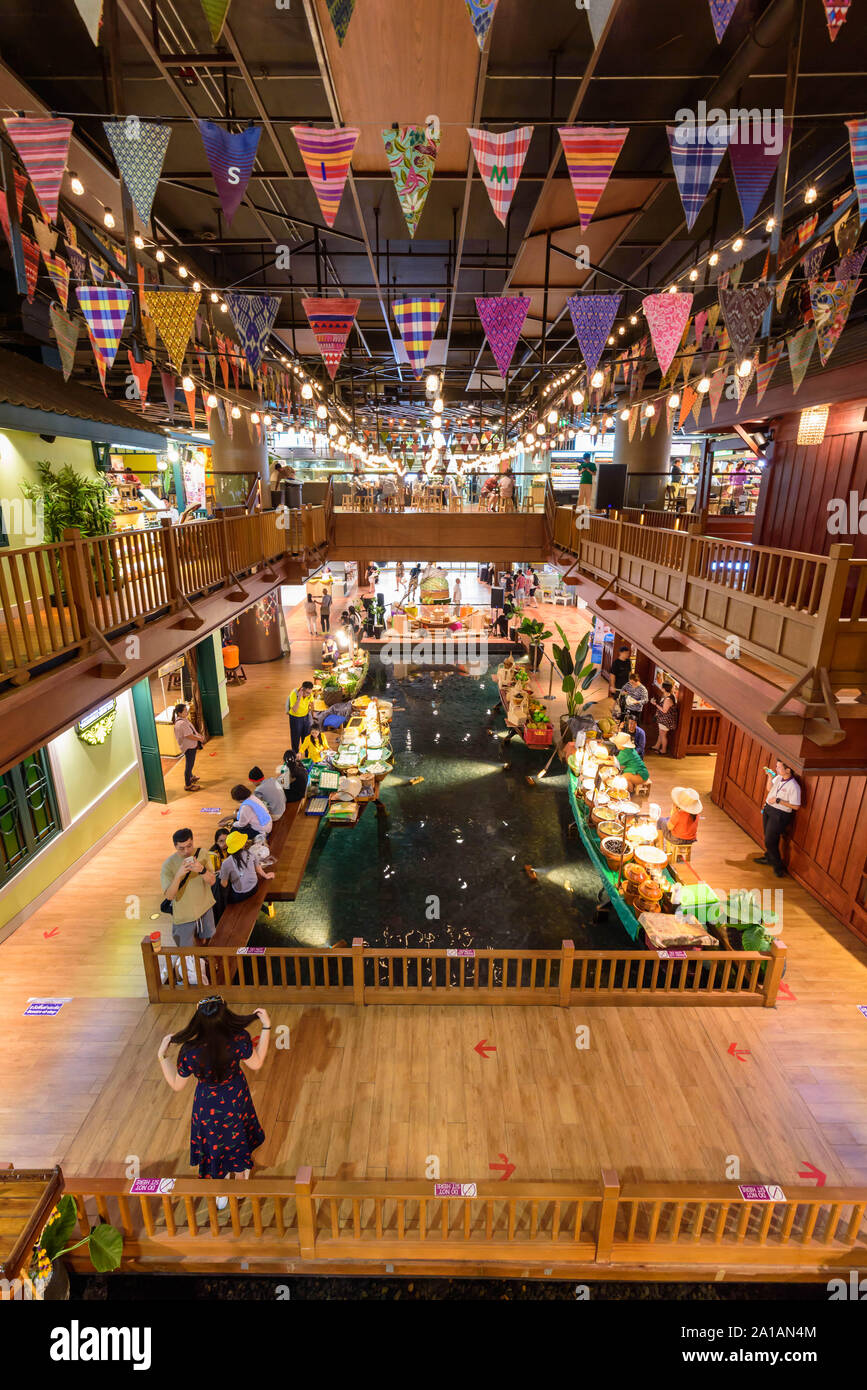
x=330, y=652
x=630, y=762
x=316, y=748
x=681, y=825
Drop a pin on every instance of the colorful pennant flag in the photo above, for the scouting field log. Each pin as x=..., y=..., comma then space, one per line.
x=500, y=159
x=836, y=12
x=142, y=373
x=190, y=398
x=327, y=155
x=105, y=309
x=341, y=13
x=800, y=348
x=70, y=230
x=591, y=153
x=592, y=318
x=77, y=262
x=231, y=157
x=411, y=151
x=666, y=316
x=173, y=312
x=481, y=14
x=721, y=12
x=43, y=145
x=97, y=270
x=417, y=320
x=331, y=321
x=743, y=383
x=743, y=310
x=169, y=383
x=753, y=162
x=717, y=385
x=66, y=330
x=687, y=401
x=781, y=286
x=696, y=153
x=215, y=13
x=139, y=149
x=46, y=237
x=20, y=190
x=858, y=149
x=503, y=318
x=831, y=304
x=31, y=264
x=813, y=258
x=765, y=370
x=846, y=232
x=849, y=267
x=253, y=316
x=59, y=271
x=91, y=13
x=699, y=324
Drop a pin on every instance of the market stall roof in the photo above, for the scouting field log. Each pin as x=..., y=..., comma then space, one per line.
x=35, y=397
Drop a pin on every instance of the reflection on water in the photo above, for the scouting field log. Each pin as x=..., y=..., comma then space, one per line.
x=441, y=864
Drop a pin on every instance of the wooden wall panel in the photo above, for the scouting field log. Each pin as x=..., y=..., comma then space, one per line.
x=800, y=480
x=828, y=848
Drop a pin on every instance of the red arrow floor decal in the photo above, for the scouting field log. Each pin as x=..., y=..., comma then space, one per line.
x=55, y=931
x=740, y=1053
x=784, y=992
x=506, y=1168
x=811, y=1171
x=483, y=1048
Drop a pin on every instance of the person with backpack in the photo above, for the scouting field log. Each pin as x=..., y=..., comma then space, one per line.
x=187, y=880
x=252, y=817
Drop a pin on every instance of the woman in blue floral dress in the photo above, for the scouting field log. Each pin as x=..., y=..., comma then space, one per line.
x=224, y=1128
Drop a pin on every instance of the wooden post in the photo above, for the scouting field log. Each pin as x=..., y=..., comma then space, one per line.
x=566, y=959
x=80, y=598
x=358, y=970
x=828, y=617
x=152, y=974
x=607, y=1215
x=169, y=543
x=774, y=975
x=304, y=1213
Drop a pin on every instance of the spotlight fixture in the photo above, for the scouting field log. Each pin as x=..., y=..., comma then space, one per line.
x=108, y=218
x=703, y=386
x=76, y=185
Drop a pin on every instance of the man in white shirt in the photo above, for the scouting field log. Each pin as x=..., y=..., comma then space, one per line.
x=782, y=799
x=267, y=789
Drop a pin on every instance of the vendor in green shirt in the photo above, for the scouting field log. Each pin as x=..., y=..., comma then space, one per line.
x=630, y=762
x=588, y=473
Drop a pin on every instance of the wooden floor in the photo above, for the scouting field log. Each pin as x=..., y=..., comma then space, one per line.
x=375, y=1092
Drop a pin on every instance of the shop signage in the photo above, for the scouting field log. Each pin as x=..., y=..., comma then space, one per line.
x=44, y=1008
x=455, y=1189
x=471, y=954
x=250, y=951
x=672, y=955
x=152, y=1185
x=761, y=1193
x=96, y=726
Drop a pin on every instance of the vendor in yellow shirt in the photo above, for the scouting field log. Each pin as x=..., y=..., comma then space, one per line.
x=315, y=747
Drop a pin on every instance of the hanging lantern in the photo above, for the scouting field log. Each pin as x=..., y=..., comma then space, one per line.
x=812, y=424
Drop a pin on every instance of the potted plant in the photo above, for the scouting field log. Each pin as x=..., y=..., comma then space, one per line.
x=576, y=672
x=536, y=633
x=104, y=1245
x=69, y=499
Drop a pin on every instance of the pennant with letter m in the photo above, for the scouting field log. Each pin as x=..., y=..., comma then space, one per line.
x=591, y=154
x=500, y=159
x=327, y=155
x=43, y=146
x=592, y=318
x=253, y=316
x=174, y=313
x=139, y=149
x=502, y=319
x=417, y=320
x=231, y=157
x=696, y=153
x=332, y=322
x=105, y=309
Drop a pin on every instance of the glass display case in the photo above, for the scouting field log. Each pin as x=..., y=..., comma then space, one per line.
x=735, y=481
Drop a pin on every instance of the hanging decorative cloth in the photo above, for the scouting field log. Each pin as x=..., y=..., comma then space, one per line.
x=20, y=190
x=417, y=320
x=253, y=316
x=500, y=159
x=173, y=312
x=31, y=264
x=597, y=13
x=858, y=149
x=139, y=149
x=743, y=310
x=591, y=153
x=46, y=237
x=215, y=12
x=77, y=262
x=190, y=398
x=58, y=269
x=411, y=153
x=800, y=348
x=142, y=373
x=812, y=259
x=831, y=304
x=43, y=145
x=327, y=155
x=105, y=308
x=849, y=267
x=503, y=318
x=341, y=13
x=687, y=401
x=481, y=14
x=231, y=157
x=332, y=322
x=836, y=12
x=696, y=153
x=66, y=330
x=592, y=318
x=666, y=316
x=721, y=12
x=753, y=163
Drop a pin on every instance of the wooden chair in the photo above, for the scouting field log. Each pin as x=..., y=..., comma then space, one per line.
x=676, y=853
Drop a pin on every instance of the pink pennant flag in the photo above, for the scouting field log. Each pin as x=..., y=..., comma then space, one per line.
x=717, y=385
x=43, y=145
x=327, y=155
x=503, y=318
x=666, y=316
x=500, y=159
x=591, y=154
x=700, y=321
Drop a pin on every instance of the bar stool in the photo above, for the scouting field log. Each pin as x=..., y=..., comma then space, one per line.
x=676, y=852
x=235, y=672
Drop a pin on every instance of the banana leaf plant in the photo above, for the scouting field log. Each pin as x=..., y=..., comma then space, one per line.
x=575, y=670
x=535, y=631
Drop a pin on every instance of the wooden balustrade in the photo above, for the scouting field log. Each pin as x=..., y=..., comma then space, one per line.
x=127, y=576
x=638, y=1226
x=38, y=619
x=366, y=975
x=790, y=578
x=198, y=557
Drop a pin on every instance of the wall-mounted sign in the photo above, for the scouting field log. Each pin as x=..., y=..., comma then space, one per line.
x=96, y=726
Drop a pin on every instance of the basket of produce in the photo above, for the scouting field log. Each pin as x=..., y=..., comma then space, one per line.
x=379, y=770
x=538, y=735
x=613, y=847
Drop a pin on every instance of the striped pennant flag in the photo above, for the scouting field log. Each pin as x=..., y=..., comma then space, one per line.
x=215, y=12
x=721, y=12
x=105, y=308
x=592, y=318
x=231, y=157
x=139, y=150
x=666, y=316
x=332, y=322
x=752, y=166
x=503, y=318
x=20, y=190
x=58, y=269
x=43, y=145
x=173, y=312
x=836, y=12
x=142, y=373
x=66, y=329
x=481, y=14
x=500, y=159
x=696, y=158
x=253, y=316
x=341, y=13
x=858, y=147
x=327, y=155
x=417, y=320
x=591, y=153
x=31, y=264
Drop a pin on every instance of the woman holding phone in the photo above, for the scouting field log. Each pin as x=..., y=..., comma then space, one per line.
x=782, y=799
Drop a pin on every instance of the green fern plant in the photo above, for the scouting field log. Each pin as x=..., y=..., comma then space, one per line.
x=69, y=499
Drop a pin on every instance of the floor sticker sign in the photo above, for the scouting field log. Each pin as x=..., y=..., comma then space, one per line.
x=45, y=1008
x=761, y=1193
x=455, y=1189
x=141, y=1186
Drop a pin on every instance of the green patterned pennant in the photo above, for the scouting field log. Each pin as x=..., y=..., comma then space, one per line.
x=215, y=14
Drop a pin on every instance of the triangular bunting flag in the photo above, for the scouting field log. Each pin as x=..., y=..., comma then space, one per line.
x=800, y=348
x=696, y=153
x=666, y=316
x=20, y=190
x=31, y=264
x=502, y=319
x=500, y=159
x=743, y=383
x=59, y=272
x=77, y=262
x=743, y=310
x=208, y=408
x=70, y=230
x=712, y=318
x=215, y=13
x=633, y=421
x=331, y=321
x=142, y=373
x=417, y=320
x=781, y=286
x=481, y=14
x=66, y=330
x=169, y=381
x=253, y=316
x=43, y=146
x=835, y=14
x=327, y=155
x=717, y=385
x=847, y=231
x=341, y=13
x=139, y=149
x=235, y=364
x=592, y=318
x=699, y=324
x=411, y=152
x=831, y=304
x=687, y=401
x=97, y=270
x=849, y=267
x=721, y=12
x=231, y=157
x=105, y=309
x=91, y=13
x=173, y=312
x=190, y=398
x=813, y=258
x=591, y=154
x=765, y=370
x=687, y=358
x=46, y=237
x=753, y=162
x=597, y=13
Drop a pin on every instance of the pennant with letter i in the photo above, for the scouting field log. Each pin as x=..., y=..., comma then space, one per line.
x=831, y=304
x=174, y=313
x=215, y=12
x=142, y=373
x=105, y=309
x=231, y=157
x=253, y=316
x=836, y=12
x=91, y=13
x=341, y=13
x=696, y=158
x=753, y=163
x=666, y=316
x=500, y=159
x=327, y=155
x=59, y=271
x=592, y=319
x=332, y=321
x=591, y=154
x=502, y=319
x=411, y=152
x=721, y=12
x=66, y=330
x=139, y=149
x=43, y=146
x=417, y=320
x=800, y=347
x=765, y=370
x=481, y=14
x=858, y=149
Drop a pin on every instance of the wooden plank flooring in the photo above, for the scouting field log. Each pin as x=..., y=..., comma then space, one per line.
x=375, y=1092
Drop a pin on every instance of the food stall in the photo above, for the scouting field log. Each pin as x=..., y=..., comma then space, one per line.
x=525, y=714
x=363, y=760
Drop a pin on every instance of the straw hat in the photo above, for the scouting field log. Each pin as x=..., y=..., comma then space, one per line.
x=622, y=741
x=685, y=799
x=235, y=841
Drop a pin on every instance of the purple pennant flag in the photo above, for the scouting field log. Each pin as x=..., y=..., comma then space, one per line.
x=231, y=158
x=753, y=163
x=502, y=319
x=721, y=12
x=849, y=267
x=592, y=319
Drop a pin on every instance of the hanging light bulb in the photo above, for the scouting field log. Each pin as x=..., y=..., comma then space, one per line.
x=321, y=412
x=183, y=272
x=649, y=411
x=596, y=380
x=108, y=218
x=332, y=430
x=633, y=318
x=160, y=255
x=437, y=405
x=267, y=422
x=436, y=421
x=770, y=224
x=673, y=401
x=529, y=440
x=621, y=330
x=255, y=417
x=224, y=308
x=187, y=384
x=703, y=386
x=552, y=417
x=432, y=383
x=713, y=258
x=215, y=298
x=138, y=241
x=672, y=289
x=577, y=398
x=341, y=443
x=738, y=244
x=540, y=428
x=212, y=401
x=76, y=185
x=307, y=391
x=236, y=412
x=811, y=194
x=745, y=367
x=196, y=286
x=624, y=414
x=593, y=429
x=693, y=275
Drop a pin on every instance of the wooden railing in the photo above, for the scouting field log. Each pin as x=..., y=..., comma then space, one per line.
x=376, y=975
x=36, y=621
x=638, y=1226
